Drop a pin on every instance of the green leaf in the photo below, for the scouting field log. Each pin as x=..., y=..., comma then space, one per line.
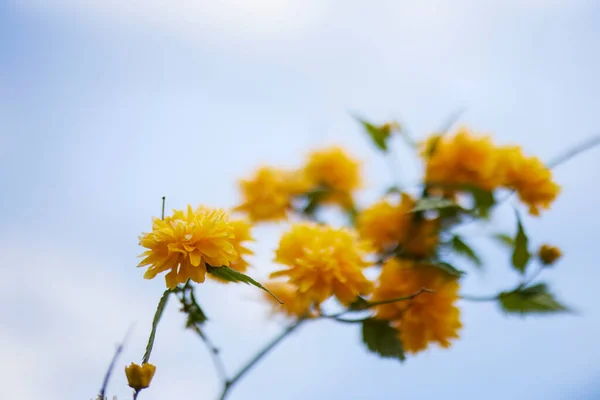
x=521, y=254
x=382, y=339
x=378, y=134
x=460, y=247
x=157, y=315
x=232, y=275
x=505, y=239
x=196, y=315
x=483, y=200
x=314, y=197
x=428, y=203
x=449, y=269
x=359, y=304
x=532, y=300
x=393, y=189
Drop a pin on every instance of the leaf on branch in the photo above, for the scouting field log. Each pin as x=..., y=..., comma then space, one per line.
x=428, y=203
x=460, y=247
x=521, y=254
x=196, y=315
x=449, y=269
x=379, y=134
x=531, y=300
x=505, y=239
x=157, y=316
x=483, y=200
x=314, y=197
x=232, y=275
x=382, y=339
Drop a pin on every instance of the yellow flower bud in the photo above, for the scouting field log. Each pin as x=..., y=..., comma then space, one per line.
x=549, y=254
x=139, y=376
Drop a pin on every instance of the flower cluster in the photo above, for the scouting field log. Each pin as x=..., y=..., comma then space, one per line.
x=464, y=159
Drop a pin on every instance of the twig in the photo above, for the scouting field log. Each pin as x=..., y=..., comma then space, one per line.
x=162, y=214
x=403, y=298
x=566, y=156
x=214, y=353
x=229, y=384
x=523, y=284
x=112, y=364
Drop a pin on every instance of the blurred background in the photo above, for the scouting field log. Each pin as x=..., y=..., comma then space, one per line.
x=107, y=105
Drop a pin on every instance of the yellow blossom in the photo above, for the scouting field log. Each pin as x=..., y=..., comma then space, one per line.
x=529, y=177
x=139, y=376
x=428, y=317
x=323, y=261
x=387, y=224
x=268, y=195
x=242, y=234
x=335, y=170
x=548, y=254
x=185, y=242
x=295, y=304
x=462, y=159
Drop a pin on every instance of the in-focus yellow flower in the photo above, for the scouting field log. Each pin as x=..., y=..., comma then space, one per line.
x=462, y=159
x=427, y=318
x=184, y=243
x=336, y=170
x=387, y=225
x=268, y=195
x=139, y=376
x=323, y=261
x=529, y=177
x=548, y=254
x=295, y=304
x=242, y=235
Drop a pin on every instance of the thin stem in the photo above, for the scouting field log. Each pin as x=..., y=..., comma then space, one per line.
x=350, y=321
x=162, y=214
x=229, y=384
x=479, y=298
x=520, y=286
x=214, y=353
x=135, y=394
x=112, y=365
x=403, y=298
x=566, y=156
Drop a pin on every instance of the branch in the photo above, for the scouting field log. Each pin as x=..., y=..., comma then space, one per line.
x=229, y=384
x=403, y=298
x=112, y=365
x=214, y=353
x=495, y=297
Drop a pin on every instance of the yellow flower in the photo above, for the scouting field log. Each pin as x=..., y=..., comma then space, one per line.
x=387, y=225
x=462, y=159
x=548, y=254
x=295, y=304
x=427, y=318
x=334, y=169
x=185, y=242
x=139, y=377
x=268, y=195
x=242, y=234
x=529, y=177
x=323, y=261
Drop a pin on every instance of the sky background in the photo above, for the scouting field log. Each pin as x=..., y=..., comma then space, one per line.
x=107, y=105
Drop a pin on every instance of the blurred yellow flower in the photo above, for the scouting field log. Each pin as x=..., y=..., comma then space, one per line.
x=427, y=318
x=461, y=159
x=139, y=376
x=335, y=170
x=529, y=177
x=548, y=254
x=295, y=304
x=185, y=242
x=242, y=234
x=323, y=261
x=386, y=225
x=268, y=195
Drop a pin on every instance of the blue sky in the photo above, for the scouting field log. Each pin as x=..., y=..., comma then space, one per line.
x=105, y=106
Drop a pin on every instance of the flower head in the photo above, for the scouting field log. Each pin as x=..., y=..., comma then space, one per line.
x=241, y=235
x=295, y=304
x=139, y=376
x=184, y=243
x=428, y=317
x=529, y=177
x=548, y=254
x=323, y=261
x=386, y=225
x=268, y=195
x=334, y=169
x=461, y=159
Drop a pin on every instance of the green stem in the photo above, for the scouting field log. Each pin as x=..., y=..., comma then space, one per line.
x=229, y=384
x=157, y=315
